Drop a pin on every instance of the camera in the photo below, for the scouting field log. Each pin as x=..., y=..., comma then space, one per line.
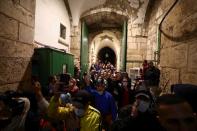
x=12, y=105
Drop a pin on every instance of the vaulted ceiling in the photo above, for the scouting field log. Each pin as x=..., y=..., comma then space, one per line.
x=77, y=7
x=104, y=20
x=88, y=11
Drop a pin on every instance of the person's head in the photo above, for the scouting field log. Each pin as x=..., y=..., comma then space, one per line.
x=52, y=79
x=76, y=71
x=118, y=76
x=87, y=79
x=72, y=82
x=125, y=81
x=100, y=85
x=105, y=74
x=186, y=91
x=109, y=73
x=36, y=87
x=150, y=64
x=81, y=101
x=102, y=73
x=175, y=114
x=142, y=104
x=113, y=77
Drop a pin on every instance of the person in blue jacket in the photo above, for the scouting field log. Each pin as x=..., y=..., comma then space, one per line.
x=104, y=102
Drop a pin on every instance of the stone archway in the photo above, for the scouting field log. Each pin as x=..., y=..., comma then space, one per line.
x=106, y=55
x=104, y=29
x=102, y=40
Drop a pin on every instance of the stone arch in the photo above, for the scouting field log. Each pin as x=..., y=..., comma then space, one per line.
x=106, y=54
x=105, y=39
x=104, y=19
x=105, y=29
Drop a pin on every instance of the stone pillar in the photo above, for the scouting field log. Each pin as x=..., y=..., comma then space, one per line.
x=16, y=42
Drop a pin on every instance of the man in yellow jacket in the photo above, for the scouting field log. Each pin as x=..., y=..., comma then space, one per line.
x=89, y=117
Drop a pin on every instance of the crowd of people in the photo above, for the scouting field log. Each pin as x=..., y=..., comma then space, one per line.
x=103, y=100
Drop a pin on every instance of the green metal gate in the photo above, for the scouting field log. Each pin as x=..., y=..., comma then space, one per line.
x=124, y=47
x=47, y=61
x=84, y=48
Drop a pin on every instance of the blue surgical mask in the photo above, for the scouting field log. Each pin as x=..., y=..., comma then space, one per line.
x=79, y=112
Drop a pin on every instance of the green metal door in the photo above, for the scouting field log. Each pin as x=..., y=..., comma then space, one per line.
x=84, y=48
x=59, y=60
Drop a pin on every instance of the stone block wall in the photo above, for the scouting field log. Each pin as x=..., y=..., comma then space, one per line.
x=136, y=45
x=16, y=42
x=137, y=35
x=178, y=54
x=76, y=44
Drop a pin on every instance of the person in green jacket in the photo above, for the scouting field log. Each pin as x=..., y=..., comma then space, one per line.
x=80, y=109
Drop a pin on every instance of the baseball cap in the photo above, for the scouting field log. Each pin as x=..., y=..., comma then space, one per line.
x=100, y=81
x=81, y=98
x=142, y=94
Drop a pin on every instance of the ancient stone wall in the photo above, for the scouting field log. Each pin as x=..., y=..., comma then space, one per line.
x=136, y=45
x=16, y=38
x=178, y=49
x=136, y=35
x=76, y=43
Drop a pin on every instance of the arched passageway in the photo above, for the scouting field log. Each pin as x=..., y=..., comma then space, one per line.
x=106, y=54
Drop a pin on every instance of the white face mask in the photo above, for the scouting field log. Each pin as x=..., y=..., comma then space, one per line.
x=143, y=106
x=100, y=92
x=79, y=112
x=125, y=84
